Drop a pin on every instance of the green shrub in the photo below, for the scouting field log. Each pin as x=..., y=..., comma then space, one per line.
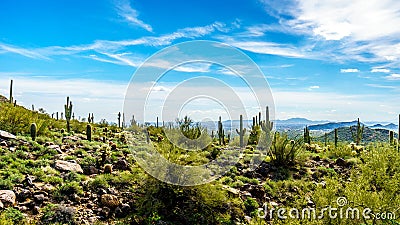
x=284, y=151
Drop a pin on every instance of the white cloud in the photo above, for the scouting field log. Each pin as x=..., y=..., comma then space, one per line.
x=380, y=70
x=349, y=70
x=358, y=19
x=125, y=10
x=381, y=86
x=313, y=87
x=393, y=76
x=194, y=67
x=263, y=47
x=21, y=51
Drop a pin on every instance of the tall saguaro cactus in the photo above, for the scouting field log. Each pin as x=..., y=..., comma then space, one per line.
x=398, y=136
x=11, y=92
x=33, y=131
x=89, y=132
x=336, y=137
x=221, y=133
x=391, y=137
x=307, y=138
x=119, y=120
x=267, y=125
x=241, y=132
x=358, y=134
x=68, y=114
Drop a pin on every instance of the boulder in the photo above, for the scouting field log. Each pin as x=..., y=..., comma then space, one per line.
x=7, y=197
x=68, y=166
x=122, y=164
x=6, y=135
x=109, y=200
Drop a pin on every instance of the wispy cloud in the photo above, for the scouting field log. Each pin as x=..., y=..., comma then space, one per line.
x=264, y=47
x=131, y=15
x=350, y=70
x=22, y=51
x=393, y=76
x=343, y=30
x=381, y=86
x=313, y=87
x=110, y=51
x=380, y=70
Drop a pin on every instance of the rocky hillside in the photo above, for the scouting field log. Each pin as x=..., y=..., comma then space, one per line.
x=369, y=135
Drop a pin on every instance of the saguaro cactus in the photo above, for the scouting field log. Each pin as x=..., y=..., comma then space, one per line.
x=11, y=92
x=68, y=114
x=267, y=125
x=358, y=134
x=221, y=133
x=119, y=120
x=241, y=132
x=391, y=137
x=307, y=138
x=336, y=137
x=33, y=131
x=89, y=132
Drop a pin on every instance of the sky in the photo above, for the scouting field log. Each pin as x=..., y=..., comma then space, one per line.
x=323, y=60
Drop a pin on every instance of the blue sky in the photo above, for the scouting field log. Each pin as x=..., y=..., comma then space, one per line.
x=330, y=60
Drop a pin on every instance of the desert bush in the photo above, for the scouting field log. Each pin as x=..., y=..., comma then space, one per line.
x=284, y=151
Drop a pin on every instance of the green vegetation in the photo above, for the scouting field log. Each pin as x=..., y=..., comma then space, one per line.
x=111, y=188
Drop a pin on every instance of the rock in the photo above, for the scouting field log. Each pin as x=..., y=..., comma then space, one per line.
x=122, y=164
x=118, y=212
x=125, y=209
x=7, y=197
x=341, y=162
x=91, y=170
x=24, y=194
x=36, y=210
x=39, y=198
x=68, y=166
x=1, y=205
x=4, y=144
x=105, y=212
x=6, y=135
x=109, y=200
x=55, y=147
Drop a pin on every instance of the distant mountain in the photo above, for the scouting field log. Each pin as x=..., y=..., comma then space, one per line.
x=299, y=121
x=390, y=126
x=332, y=125
x=369, y=135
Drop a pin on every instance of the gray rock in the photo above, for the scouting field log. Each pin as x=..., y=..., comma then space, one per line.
x=68, y=166
x=55, y=147
x=7, y=197
x=6, y=135
x=36, y=210
x=341, y=162
x=122, y=164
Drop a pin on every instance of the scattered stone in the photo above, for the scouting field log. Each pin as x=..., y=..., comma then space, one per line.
x=105, y=212
x=39, y=198
x=341, y=162
x=122, y=164
x=3, y=144
x=6, y=135
x=109, y=200
x=68, y=166
x=1, y=205
x=36, y=210
x=55, y=147
x=7, y=197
